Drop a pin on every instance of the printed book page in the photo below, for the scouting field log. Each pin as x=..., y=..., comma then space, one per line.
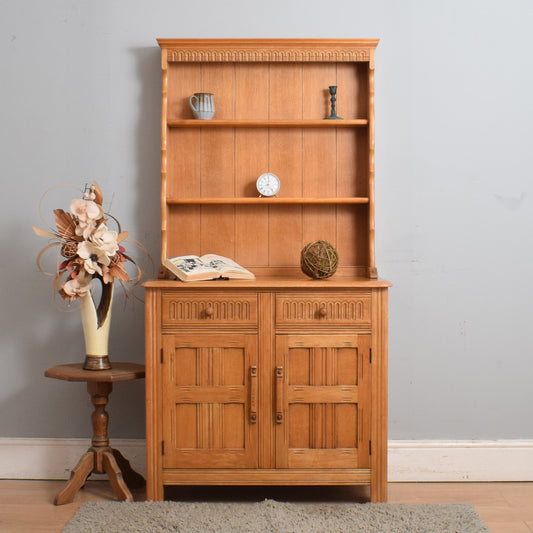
x=209, y=266
x=220, y=263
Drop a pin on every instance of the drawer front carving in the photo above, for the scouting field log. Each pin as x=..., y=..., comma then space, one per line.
x=209, y=309
x=324, y=309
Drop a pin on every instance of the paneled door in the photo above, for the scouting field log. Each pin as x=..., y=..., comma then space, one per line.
x=210, y=401
x=322, y=397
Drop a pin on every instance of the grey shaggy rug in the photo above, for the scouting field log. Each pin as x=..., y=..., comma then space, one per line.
x=273, y=516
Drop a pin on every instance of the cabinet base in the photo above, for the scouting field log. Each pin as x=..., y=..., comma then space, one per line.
x=267, y=477
x=281, y=477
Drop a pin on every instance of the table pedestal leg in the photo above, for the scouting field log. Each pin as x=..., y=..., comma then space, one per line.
x=77, y=479
x=115, y=476
x=100, y=457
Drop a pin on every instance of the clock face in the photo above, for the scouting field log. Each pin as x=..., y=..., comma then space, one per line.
x=267, y=184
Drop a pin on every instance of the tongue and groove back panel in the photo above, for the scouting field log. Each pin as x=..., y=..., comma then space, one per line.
x=222, y=160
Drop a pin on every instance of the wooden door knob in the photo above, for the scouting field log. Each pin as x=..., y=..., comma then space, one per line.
x=323, y=311
x=209, y=311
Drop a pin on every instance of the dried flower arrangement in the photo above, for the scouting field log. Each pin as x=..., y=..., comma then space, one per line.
x=90, y=250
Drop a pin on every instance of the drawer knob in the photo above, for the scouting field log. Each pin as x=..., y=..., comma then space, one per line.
x=323, y=311
x=209, y=311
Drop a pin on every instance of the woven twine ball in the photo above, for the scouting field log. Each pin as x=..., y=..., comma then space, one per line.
x=69, y=249
x=319, y=260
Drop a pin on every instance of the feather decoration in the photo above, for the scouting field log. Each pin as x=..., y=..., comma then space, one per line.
x=42, y=233
x=99, y=198
x=66, y=225
x=118, y=272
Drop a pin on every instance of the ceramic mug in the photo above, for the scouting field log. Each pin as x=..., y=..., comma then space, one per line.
x=202, y=105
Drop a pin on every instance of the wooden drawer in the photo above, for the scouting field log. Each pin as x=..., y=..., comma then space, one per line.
x=208, y=309
x=324, y=309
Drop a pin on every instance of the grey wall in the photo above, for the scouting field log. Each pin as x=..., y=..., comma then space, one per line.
x=80, y=93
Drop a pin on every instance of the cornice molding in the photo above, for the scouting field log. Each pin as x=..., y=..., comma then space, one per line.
x=269, y=51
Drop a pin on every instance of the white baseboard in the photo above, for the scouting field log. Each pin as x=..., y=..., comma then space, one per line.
x=461, y=460
x=54, y=458
x=420, y=460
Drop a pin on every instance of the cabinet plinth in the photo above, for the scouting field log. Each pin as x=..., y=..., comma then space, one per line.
x=281, y=380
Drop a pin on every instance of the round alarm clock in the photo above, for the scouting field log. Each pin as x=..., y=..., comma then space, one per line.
x=267, y=184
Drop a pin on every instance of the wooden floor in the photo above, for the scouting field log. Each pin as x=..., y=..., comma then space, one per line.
x=27, y=506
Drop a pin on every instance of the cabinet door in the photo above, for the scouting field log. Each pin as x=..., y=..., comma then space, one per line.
x=322, y=401
x=209, y=401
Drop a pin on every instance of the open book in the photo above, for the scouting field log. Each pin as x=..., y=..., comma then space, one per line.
x=210, y=266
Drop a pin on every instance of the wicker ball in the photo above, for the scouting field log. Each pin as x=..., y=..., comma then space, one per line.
x=69, y=249
x=319, y=260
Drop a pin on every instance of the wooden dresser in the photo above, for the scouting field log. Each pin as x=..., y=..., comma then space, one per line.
x=281, y=380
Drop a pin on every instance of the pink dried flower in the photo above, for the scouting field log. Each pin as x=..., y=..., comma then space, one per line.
x=86, y=210
x=77, y=286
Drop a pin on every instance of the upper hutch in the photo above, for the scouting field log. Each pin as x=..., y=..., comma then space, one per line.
x=281, y=380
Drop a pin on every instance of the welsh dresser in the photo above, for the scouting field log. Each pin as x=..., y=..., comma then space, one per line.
x=281, y=380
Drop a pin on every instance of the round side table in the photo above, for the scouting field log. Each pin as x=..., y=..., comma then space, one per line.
x=100, y=458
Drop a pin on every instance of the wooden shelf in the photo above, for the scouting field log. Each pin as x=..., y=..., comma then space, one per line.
x=320, y=123
x=271, y=201
x=294, y=281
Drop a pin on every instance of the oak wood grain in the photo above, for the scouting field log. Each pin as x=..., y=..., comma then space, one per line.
x=284, y=380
